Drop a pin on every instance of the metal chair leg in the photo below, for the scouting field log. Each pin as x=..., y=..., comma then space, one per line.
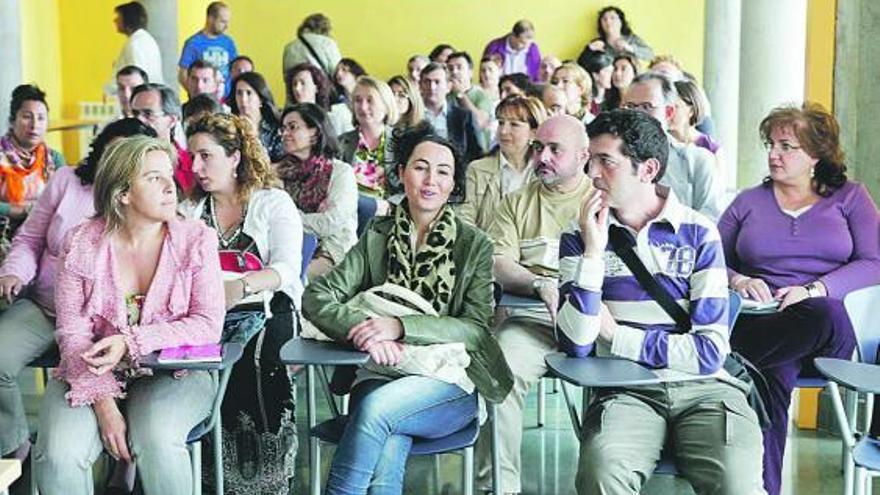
x=496, y=449
x=314, y=447
x=467, y=470
x=541, y=402
x=436, y=474
x=196, y=459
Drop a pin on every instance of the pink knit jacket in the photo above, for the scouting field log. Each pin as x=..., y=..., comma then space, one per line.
x=183, y=305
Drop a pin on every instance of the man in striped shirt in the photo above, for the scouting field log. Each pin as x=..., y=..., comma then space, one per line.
x=603, y=308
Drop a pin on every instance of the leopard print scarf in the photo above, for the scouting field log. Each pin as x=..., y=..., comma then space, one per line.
x=430, y=272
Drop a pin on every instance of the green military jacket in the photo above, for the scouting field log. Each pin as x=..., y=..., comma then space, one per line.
x=470, y=309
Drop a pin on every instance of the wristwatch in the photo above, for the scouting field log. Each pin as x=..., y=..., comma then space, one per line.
x=540, y=282
x=813, y=290
x=247, y=288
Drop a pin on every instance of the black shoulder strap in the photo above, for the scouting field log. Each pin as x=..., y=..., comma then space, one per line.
x=622, y=243
x=315, y=55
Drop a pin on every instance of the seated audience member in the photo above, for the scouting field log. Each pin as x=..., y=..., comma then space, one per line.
x=27, y=327
x=469, y=97
x=237, y=195
x=698, y=407
x=549, y=65
x=410, y=109
x=369, y=148
x=240, y=65
x=252, y=98
x=600, y=66
x=692, y=107
x=128, y=78
x=578, y=87
x=447, y=118
x=690, y=171
x=133, y=279
x=26, y=161
x=806, y=237
x=198, y=106
x=626, y=68
x=140, y=48
x=554, y=99
x=202, y=78
x=345, y=76
x=667, y=65
x=213, y=45
x=525, y=231
x=616, y=36
x=157, y=106
x=414, y=67
x=490, y=179
x=306, y=83
x=518, y=51
x=453, y=272
x=322, y=187
x=439, y=54
x=490, y=76
x=517, y=84
x=313, y=44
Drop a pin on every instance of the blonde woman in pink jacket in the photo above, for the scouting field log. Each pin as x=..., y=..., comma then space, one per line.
x=132, y=280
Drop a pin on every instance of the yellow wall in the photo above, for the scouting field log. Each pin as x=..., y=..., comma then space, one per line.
x=41, y=55
x=821, y=16
x=383, y=34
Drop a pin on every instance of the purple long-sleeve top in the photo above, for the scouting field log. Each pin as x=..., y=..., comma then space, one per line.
x=836, y=241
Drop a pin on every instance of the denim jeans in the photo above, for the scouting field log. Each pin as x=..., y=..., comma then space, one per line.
x=159, y=413
x=371, y=456
x=25, y=333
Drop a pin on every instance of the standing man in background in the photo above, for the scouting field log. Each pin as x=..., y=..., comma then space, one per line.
x=210, y=44
x=139, y=50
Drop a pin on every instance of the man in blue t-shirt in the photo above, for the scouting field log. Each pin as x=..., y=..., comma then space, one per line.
x=210, y=45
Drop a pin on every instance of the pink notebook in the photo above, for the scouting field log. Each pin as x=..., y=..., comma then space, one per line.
x=209, y=353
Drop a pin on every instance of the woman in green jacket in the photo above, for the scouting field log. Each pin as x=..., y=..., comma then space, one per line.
x=423, y=247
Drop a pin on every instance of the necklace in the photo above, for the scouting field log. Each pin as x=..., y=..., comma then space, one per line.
x=229, y=236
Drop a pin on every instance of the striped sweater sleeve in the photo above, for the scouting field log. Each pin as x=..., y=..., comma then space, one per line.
x=580, y=297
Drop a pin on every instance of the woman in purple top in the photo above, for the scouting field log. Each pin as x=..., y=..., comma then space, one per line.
x=806, y=237
x=27, y=326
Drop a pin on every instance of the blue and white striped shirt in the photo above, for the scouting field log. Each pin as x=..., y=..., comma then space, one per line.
x=682, y=249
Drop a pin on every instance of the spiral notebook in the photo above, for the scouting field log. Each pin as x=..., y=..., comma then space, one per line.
x=209, y=353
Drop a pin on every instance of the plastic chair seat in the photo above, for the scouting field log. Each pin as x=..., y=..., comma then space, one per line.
x=331, y=431
x=866, y=453
x=806, y=382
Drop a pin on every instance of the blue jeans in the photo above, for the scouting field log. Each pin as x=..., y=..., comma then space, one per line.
x=371, y=456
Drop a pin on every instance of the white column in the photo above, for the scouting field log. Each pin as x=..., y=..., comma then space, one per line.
x=162, y=24
x=721, y=77
x=772, y=67
x=10, y=54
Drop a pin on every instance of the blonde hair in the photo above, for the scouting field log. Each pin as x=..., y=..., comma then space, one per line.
x=234, y=133
x=416, y=111
x=581, y=78
x=526, y=109
x=119, y=166
x=385, y=96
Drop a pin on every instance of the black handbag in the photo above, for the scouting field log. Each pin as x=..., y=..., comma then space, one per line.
x=735, y=364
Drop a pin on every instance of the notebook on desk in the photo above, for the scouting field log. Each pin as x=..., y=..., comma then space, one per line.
x=753, y=307
x=209, y=353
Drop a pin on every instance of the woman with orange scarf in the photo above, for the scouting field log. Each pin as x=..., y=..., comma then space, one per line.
x=26, y=162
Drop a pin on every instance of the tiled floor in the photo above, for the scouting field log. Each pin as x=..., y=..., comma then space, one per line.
x=550, y=460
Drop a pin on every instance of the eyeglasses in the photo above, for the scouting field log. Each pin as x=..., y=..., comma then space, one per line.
x=782, y=147
x=642, y=107
x=291, y=128
x=147, y=114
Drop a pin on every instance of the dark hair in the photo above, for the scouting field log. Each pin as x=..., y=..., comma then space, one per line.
x=595, y=61
x=23, y=93
x=642, y=136
x=519, y=80
x=315, y=23
x=405, y=143
x=121, y=128
x=356, y=69
x=434, y=66
x=322, y=83
x=133, y=16
x=240, y=58
x=213, y=9
x=522, y=26
x=463, y=55
x=203, y=103
x=130, y=70
x=624, y=26
x=818, y=133
x=267, y=102
x=201, y=64
x=326, y=145
x=438, y=50
x=169, y=101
